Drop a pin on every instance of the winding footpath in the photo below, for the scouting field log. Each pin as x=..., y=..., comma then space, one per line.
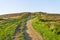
x=30, y=33
x=33, y=35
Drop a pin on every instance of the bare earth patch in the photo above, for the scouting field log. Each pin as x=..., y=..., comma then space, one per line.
x=31, y=32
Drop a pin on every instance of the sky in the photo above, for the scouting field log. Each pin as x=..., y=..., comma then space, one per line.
x=12, y=6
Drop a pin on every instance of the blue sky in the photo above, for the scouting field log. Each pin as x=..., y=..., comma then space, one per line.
x=11, y=6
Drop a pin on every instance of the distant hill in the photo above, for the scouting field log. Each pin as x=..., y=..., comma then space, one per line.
x=43, y=15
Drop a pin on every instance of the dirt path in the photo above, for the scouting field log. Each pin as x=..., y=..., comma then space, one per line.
x=30, y=33
x=17, y=32
x=33, y=35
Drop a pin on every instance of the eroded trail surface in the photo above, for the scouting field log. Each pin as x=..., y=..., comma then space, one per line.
x=33, y=35
x=16, y=35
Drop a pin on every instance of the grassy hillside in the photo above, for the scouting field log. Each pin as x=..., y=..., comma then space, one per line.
x=48, y=25
x=9, y=24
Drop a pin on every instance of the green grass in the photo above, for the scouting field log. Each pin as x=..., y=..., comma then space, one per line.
x=8, y=27
x=7, y=30
x=42, y=28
